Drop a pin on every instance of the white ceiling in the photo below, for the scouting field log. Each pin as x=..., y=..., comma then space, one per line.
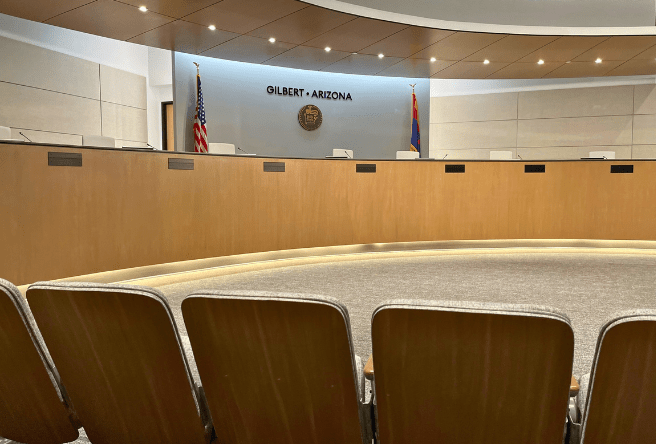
x=515, y=13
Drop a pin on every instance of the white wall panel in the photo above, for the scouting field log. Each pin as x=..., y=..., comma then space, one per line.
x=576, y=102
x=122, y=87
x=571, y=152
x=124, y=122
x=31, y=108
x=29, y=65
x=644, y=129
x=470, y=135
x=644, y=152
x=644, y=101
x=578, y=131
x=480, y=154
x=47, y=137
x=478, y=107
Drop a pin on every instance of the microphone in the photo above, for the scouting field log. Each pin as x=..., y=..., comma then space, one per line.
x=150, y=146
x=445, y=156
x=242, y=150
x=347, y=154
x=605, y=157
x=520, y=157
x=28, y=139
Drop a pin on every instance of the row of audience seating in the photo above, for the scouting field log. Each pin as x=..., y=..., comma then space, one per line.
x=280, y=369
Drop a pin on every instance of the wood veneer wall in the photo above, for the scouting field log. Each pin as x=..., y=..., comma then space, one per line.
x=125, y=208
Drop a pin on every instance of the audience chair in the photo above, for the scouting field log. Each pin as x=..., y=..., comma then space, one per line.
x=33, y=405
x=120, y=355
x=277, y=368
x=471, y=373
x=617, y=399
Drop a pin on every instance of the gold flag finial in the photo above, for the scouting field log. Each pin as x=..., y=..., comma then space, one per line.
x=197, y=68
x=413, y=86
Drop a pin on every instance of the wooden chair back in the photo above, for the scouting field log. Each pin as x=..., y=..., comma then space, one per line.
x=621, y=398
x=32, y=409
x=466, y=373
x=120, y=356
x=275, y=369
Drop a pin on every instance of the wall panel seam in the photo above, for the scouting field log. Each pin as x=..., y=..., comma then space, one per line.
x=48, y=90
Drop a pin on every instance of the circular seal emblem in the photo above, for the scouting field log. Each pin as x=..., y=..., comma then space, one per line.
x=310, y=117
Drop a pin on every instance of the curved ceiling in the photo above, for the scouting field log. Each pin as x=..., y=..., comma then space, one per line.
x=358, y=45
x=587, y=17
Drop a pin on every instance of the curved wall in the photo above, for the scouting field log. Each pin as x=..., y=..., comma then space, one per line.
x=124, y=209
x=375, y=123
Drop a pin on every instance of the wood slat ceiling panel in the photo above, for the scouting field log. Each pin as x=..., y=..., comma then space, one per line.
x=184, y=37
x=416, y=68
x=470, y=70
x=521, y=70
x=563, y=49
x=635, y=67
x=303, y=25
x=355, y=35
x=305, y=57
x=302, y=32
x=617, y=48
x=362, y=64
x=172, y=8
x=458, y=46
x=242, y=16
x=407, y=42
x=583, y=69
x=110, y=19
x=511, y=48
x=248, y=49
x=44, y=11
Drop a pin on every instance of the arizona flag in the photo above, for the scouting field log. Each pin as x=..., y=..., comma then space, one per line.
x=415, y=144
x=200, y=128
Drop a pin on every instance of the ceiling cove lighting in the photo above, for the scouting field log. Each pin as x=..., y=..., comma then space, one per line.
x=212, y=28
x=272, y=40
x=598, y=60
x=327, y=48
x=381, y=55
x=540, y=62
x=432, y=59
x=143, y=9
x=486, y=62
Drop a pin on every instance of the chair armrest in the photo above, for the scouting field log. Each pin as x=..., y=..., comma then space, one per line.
x=369, y=368
x=573, y=387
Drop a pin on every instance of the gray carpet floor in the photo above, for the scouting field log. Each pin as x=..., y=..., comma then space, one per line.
x=588, y=287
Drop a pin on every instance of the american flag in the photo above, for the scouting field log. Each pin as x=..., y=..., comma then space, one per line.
x=200, y=127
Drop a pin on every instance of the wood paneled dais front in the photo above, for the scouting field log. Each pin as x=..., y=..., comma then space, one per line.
x=126, y=209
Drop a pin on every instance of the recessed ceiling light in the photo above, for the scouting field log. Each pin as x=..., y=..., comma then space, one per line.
x=598, y=61
x=432, y=59
x=327, y=48
x=212, y=28
x=540, y=62
x=272, y=40
x=143, y=9
x=354, y=53
x=569, y=61
x=381, y=55
x=486, y=62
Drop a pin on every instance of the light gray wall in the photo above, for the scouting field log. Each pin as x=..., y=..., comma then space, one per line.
x=549, y=124
x=53, y=97
x=375, y=124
